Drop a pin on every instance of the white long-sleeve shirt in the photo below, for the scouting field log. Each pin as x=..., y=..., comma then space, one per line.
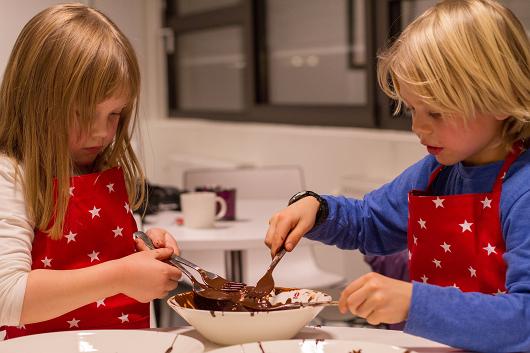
x=16, y=238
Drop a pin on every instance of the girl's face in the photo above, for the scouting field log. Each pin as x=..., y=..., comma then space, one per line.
x=85, y=146
x=451, y=139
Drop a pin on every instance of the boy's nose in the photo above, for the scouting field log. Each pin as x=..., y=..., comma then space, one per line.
x=420, y=126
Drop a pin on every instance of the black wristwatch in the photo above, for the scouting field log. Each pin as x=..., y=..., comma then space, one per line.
x=323, y=209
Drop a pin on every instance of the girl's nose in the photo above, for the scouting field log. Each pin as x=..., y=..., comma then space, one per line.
x=99, y=129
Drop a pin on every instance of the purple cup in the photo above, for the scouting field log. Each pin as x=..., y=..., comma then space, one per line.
x=229, y=195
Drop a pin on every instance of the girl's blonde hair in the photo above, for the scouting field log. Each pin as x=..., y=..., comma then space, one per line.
x=464, y=57
x=67, y=59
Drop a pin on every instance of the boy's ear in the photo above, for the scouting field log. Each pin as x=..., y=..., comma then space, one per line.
x=501, y=117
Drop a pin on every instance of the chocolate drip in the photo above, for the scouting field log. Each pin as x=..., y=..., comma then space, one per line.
x=217, y=300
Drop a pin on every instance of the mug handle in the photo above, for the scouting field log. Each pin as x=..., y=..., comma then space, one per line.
x=222, y=209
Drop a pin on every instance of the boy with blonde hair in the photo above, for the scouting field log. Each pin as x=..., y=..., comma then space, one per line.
x=462, y=70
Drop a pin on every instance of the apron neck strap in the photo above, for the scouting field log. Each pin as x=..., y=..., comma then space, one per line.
x=433, y=177
x=517, y=149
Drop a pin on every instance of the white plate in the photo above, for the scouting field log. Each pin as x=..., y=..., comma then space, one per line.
x=101, y=341
x=312, y=346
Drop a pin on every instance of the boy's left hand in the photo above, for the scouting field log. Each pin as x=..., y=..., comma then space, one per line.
x=377, y=298
x=161, y=239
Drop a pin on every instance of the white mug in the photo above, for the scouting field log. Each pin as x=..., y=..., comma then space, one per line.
x=198, y=209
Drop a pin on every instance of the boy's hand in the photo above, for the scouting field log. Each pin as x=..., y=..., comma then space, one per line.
x=377, y=298
x=161, y=239
x=289, y=225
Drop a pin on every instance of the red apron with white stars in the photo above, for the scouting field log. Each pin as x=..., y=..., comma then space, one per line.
x=98, y=227
x=456, y=240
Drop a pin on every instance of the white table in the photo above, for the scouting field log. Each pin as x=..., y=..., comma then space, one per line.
x=247, y=232
x=396, y=338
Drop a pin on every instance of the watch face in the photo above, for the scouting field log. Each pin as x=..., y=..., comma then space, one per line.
x=296, y=197
x=302, y=194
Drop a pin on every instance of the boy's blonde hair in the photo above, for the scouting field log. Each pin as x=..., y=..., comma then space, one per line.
x=67, y=59
x=464, y=57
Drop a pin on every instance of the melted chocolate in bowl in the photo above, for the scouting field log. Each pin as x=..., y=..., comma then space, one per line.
x=235, y=320
x=215, y=300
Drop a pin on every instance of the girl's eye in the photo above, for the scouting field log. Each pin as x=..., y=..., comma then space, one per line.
x=115, y=115
x=435, y=115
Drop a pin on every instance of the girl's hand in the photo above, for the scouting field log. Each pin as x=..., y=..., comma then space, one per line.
x=144, y=277
x=289, y=225
x=160, y=238
x=377, y=298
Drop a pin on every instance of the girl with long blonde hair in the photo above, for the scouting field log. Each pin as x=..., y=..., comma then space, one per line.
x=69, y=180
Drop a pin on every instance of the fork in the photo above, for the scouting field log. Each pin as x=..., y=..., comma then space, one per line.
x=266, y=282
x=210, y=279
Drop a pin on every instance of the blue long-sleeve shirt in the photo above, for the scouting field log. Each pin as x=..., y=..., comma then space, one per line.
x=377, y=225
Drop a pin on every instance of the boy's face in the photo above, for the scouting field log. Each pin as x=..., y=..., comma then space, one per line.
x=451, y=139
x=84, y=146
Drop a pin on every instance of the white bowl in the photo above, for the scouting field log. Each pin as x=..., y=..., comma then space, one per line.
x=231, y=327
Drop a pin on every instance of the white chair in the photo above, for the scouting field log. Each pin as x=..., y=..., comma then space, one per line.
x=256, y=183
x=297, y=269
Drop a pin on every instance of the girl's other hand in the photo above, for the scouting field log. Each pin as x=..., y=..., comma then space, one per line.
x=289, y=225
x=144, y=277
x=161, y=239
x=377, y=298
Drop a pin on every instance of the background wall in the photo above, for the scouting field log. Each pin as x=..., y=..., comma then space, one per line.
x=13, y=16
x=331, y=157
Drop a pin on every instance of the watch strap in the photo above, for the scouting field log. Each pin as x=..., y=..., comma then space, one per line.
x=323, y=209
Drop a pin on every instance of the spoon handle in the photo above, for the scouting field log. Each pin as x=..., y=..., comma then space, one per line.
x=277, y=258
x=147, y=241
